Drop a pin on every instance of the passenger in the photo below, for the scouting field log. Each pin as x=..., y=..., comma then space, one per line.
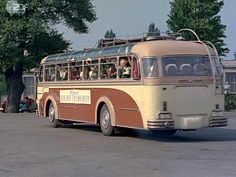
x=111, y=72
x=53, y=75
x=93, y=73
x=74, y=75
x=124, y=69
x=86, y=72
x=81, y=75
x=88, y=61
x=63, y=75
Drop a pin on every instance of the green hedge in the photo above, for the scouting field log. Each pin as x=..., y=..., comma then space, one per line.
x=230, y=102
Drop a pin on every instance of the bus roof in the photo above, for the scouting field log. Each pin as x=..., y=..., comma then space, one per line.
x=157, y=48
x=90, y=53
x=170, y=47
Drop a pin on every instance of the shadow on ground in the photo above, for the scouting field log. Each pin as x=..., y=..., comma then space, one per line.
x=201, y=135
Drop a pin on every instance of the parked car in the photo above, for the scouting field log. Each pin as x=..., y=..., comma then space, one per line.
x=24, y=107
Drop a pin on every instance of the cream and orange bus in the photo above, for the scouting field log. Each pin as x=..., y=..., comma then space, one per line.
x=158, y=84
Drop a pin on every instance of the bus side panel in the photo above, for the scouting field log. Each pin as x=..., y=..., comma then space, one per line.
x=74, y=111
x=126, y=110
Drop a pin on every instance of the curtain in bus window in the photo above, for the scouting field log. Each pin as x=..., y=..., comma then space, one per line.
x=135, y=69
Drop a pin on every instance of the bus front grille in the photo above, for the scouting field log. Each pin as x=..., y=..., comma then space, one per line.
x=160, y=124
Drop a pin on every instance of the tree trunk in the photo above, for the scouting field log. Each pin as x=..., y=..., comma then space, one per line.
x=15, y=87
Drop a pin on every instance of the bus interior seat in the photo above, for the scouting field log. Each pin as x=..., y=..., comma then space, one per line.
x=171, y=69
x=186, y=68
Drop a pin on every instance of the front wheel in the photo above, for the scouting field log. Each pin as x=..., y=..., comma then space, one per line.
x=105, y=121
x=54, y=122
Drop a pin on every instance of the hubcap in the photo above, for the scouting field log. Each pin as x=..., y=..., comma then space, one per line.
x=105, y=119
x=51, y=114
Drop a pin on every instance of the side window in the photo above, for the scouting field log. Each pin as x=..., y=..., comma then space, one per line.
x=124, y=69
x=41, y=74
x=49, y=74
x=62, y=72
x=90, y=69
x=150, y=67
x=108, y=68
x=76, y=71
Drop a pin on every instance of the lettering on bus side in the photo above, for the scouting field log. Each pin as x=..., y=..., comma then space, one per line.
x=75, y=96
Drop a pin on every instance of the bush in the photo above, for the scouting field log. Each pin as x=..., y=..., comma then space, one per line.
x=230, y=102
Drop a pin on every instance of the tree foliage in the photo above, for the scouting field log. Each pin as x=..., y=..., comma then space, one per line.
x=109, y=34
x=153, y=30
x=203, y=17
x=26, y=38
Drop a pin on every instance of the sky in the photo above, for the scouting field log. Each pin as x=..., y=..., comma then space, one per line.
x=132, y=17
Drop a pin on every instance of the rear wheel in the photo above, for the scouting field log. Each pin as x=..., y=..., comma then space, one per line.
x=52, y=115
x=105, y=121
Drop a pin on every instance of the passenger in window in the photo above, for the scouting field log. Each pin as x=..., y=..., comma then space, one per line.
x=86, y=72
x=124, y=69
x=63, y=74
x=46, y=75
x=74, y=75
x=93, y=73
x=81, y=75
x=53, y=75
x=111, y=72
x=88, y=61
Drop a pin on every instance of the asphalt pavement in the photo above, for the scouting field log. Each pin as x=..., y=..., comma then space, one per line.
x=29, y=147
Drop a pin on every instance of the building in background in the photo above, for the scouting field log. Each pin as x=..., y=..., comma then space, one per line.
x=229, y=67
x=30, y=80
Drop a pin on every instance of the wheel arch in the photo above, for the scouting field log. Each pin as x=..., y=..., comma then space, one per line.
x=105, y=101
x=48, y=101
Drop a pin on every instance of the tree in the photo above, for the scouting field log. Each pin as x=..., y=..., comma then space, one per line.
x=109, y=34
x=26, y=38
x=203, y=17
x=2, y=86
x=153, y=31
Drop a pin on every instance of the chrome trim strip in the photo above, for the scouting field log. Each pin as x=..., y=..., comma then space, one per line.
x=129, y=109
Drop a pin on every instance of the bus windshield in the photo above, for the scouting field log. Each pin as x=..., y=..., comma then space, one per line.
x=186, y=66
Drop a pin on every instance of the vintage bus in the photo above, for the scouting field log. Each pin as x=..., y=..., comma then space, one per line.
x=158, y=84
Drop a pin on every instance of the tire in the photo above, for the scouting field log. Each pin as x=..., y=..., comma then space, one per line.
x=105, y=121
x=52, y=116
